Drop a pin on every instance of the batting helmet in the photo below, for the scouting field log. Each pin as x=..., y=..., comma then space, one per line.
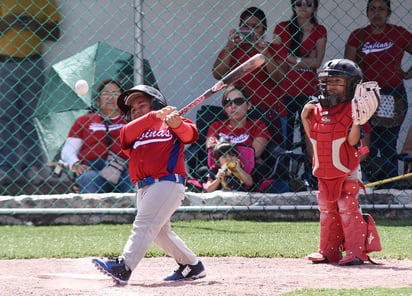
x=124, y=100
x=343, y=68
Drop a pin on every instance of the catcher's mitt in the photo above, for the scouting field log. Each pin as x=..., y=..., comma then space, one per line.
x=365, y=102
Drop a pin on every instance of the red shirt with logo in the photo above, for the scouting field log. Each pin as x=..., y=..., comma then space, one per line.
x=222, y=130
x=381, y=54
x=92, y=130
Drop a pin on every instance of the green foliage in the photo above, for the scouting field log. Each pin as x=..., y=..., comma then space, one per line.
x=207, y=238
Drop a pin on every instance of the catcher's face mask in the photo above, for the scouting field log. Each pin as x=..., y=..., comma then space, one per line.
x=343, y=69
x=333, y=91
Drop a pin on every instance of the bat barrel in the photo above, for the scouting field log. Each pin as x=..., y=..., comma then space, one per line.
x=234, y=75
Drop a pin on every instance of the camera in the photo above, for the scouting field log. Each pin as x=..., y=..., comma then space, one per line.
x=244, y=36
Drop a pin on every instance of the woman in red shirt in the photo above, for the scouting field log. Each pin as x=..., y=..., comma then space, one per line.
x=95, y=137
x=379, y=49
x=261, y=84
x=303, y=43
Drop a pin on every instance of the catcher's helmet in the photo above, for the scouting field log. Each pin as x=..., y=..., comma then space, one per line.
x=339, y=68
x=124, y=100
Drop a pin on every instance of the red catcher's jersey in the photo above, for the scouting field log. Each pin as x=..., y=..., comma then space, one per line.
x=332, y=155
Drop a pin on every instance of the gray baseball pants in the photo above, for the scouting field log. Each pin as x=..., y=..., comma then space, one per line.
x=156, y=203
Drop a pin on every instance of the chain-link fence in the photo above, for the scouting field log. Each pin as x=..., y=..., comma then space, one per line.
x=182, y=48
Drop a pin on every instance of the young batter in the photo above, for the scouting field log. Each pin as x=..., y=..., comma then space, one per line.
x=154, y=140
x=333, y=127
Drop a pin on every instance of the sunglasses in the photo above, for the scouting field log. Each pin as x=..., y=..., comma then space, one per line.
x=237, y=101
x=300, y=4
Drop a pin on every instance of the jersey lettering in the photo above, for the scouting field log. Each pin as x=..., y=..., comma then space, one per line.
x=234, y=139
x=152, y=136
x=101, y=127
x=376, y=47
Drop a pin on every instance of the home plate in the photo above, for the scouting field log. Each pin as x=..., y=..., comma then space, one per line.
x=81, y=276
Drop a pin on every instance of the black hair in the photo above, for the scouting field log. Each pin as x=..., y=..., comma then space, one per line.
x=386, y=2
x=295, y=30
x=223, y=148
x=255, y=12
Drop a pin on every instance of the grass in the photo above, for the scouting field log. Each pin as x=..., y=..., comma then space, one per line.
x=350, y=292
x=206, y=238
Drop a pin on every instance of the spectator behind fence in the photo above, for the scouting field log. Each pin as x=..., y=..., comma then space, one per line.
x=243, y=43
x=228, y=172
x=24, y=27
x=303, y=42
x=92, y=148
x=406, y=152
x=239, y=129
x=334, y=131
x=379, y=49
x=154, y=141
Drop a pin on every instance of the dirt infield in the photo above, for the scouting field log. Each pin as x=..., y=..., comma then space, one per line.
x=225, y=276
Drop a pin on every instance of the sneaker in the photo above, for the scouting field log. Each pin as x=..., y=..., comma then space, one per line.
x=187, y=272
x=115, y=268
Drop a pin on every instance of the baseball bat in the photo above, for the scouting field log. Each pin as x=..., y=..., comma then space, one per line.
x=408, y=175
x=233, y=76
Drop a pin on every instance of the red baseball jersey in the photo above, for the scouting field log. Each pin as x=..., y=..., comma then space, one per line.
x=156, y=150
x=381, y=54
x=241, y=135
x=299, y=81
x=91, y=129
x=263, y=90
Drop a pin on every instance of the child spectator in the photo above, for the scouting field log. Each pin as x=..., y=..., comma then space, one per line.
x=229, y=172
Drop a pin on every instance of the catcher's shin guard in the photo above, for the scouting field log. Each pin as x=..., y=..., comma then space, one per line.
x=331, y=233
x=354, y=226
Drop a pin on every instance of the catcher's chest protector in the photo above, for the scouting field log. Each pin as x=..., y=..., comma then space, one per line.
x=332, y=155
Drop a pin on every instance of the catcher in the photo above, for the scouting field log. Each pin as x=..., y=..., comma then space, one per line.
x=333, y=125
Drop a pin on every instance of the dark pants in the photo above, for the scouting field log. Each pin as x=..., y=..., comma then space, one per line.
x=20, y=88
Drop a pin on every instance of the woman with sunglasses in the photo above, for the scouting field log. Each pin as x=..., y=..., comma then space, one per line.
x=303, y=42
x=379, y=49
x=238, y=128
x=243, y=43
